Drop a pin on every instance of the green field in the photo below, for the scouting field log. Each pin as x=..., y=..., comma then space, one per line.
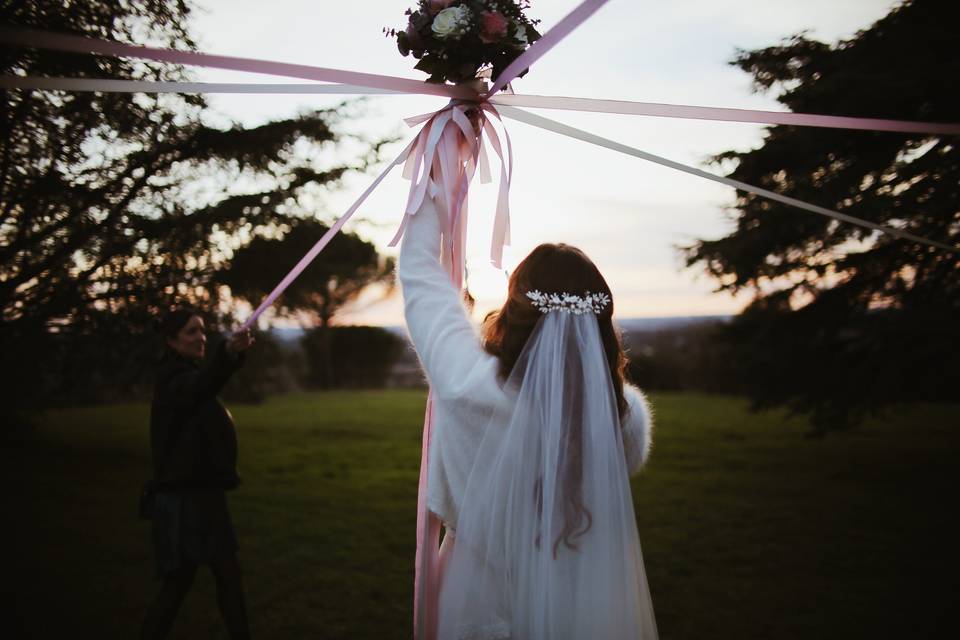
x=749, y=528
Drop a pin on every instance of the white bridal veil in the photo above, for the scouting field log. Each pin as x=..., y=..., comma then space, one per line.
x=546, y=543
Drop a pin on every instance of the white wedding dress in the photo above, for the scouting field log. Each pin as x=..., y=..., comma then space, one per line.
x=530, y=475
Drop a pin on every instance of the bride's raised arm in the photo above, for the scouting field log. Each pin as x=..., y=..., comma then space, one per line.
x=446, y=341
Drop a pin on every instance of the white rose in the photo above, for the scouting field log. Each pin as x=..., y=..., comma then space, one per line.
x=521, y=35
x=451, y=22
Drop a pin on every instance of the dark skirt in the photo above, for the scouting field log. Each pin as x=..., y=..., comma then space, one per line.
x=191, y=528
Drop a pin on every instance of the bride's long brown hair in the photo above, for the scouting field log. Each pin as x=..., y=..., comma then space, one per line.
x=555, y=268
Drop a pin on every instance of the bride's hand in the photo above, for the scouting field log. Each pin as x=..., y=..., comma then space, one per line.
x=475, y=115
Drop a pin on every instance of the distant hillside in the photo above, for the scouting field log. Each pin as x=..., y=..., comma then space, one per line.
x=631, y=325
x=627, y=325
x=661, y=342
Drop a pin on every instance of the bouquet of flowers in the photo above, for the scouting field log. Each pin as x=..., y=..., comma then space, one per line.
x=454, y=40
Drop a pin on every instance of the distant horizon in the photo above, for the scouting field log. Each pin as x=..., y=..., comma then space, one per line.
x=632, y=320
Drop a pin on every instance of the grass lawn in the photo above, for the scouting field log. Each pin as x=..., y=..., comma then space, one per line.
x=749, y=529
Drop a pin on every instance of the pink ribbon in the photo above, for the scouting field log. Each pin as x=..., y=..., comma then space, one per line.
x=80, y=44
x=323, y=241
x=626, y=107
x=501, y=221
x=660, y=110
x=426, y=577
x=446, y=150
x=444, y=161
x=549, y=40
x=579, y=134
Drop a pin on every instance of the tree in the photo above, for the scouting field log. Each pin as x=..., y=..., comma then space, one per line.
x=346, y=266
x=364, y=356
x=114, y=205
x=682, y=358
x=845, y=320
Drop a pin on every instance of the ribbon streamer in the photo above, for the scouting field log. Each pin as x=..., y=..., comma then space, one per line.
x=80, y=44
x=426, y=579
x=549, y=40
x=622, y=107
x=441, y=160
x=450, y=145
x=580, y=134
x=323, y=241
x=106, y=85
x=723, y=114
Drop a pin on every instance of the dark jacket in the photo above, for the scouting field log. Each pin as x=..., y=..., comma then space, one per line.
x=192, y=438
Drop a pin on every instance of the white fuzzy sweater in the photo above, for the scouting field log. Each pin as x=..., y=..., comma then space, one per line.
x=463, y=376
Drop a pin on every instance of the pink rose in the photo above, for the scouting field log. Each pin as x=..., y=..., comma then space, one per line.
x=493, y=26
x=436, y=6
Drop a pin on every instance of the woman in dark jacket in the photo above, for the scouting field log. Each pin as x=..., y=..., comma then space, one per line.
x=194, y=452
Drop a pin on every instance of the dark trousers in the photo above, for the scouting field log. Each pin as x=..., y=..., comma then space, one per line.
x=176, y=584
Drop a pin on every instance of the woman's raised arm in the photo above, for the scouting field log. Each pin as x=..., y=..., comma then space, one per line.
x=442, y=334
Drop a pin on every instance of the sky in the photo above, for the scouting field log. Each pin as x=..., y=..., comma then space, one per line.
x=628, y=215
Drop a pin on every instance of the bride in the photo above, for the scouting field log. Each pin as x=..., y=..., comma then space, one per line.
x=535, y=434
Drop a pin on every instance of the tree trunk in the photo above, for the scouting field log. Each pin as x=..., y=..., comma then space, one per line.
x=327, y=377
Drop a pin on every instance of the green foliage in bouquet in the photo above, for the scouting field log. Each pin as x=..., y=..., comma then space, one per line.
x=454, y=40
